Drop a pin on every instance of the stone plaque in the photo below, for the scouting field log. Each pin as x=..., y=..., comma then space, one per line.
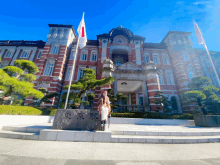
x=77, y=119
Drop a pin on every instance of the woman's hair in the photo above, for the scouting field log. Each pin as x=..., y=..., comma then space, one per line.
x=101, y=96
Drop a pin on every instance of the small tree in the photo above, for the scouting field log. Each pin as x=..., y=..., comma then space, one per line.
x=202, y=93
x=45, y=99
x=87, y=82
x=116, y=100
x=163, y=102
x=16, y=80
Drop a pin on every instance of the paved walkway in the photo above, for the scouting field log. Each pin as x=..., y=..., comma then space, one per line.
x=28, y=152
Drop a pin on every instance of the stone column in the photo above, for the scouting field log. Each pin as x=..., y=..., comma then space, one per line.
x=145, y=95
x=152, y=83
x=115, y=87
x=107, y=71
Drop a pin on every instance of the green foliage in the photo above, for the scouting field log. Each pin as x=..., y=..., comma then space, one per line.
x=13, y=86
x=202, y=93
x=14, y=81
x=28, y=77
x=37, y=102
x=12, y=70
x=26, y=65
x=19, y=110
x=163, y=101
x=116, y=100
x=87, y=82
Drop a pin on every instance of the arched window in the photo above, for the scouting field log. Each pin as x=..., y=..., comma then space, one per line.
x=156, y=58
x=146, y=57
x=161, y=78
x=94, y=55
x=169, y=77
x=166, y=60
x=49, y=67
x=190, y=72
x=84, y=55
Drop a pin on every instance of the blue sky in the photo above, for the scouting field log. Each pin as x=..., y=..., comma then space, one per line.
x=28, y=19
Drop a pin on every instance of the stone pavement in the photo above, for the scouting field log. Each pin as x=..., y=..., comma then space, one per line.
x=28, y=152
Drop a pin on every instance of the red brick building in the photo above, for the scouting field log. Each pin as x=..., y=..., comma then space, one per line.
x=131, y=57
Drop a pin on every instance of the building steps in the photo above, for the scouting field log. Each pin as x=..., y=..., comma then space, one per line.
x=115, y=136
x=164, y=139
x=167, y=133
x=19, y=135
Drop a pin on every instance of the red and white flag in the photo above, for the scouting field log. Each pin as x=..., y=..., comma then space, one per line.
x=198, y=33
x=82, y=33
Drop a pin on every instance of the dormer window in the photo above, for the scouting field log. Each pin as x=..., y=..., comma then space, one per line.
x=120, y=41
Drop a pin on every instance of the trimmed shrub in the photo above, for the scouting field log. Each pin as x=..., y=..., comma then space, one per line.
x=18, y=110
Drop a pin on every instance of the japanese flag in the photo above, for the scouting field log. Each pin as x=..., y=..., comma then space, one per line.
x=82, y=33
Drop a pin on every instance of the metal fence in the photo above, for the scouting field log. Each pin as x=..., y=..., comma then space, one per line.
x=132, y=108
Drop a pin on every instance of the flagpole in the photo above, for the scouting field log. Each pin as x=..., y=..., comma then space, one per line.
x=202, y=41
x=216, y=74
x=73, y=68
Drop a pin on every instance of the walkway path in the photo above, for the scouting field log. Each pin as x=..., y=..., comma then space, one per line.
x=28, y=152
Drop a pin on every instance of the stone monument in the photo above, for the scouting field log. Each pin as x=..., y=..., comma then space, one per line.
x=77, y=119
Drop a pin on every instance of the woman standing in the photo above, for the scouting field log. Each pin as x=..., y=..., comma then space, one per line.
x=104, y=109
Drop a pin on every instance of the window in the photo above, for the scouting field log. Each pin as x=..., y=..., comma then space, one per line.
x=120, y=41
x=94, y=68
x=156, y=58
x=80, y=73
x=161, y=79
x=39, y=55
x=146, y=57
x=72, y=54
x=68, y=73
x=184, y=56
x=54, y=49
x=49, y=68
x=166, y=60
x=8, y=54
x=84, y=55
x=169, y=77
x=190, y=72
x=25, y=54
x=118, y=61
x=94, y=56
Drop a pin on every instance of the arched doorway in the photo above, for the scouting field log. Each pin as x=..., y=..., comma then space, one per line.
x=119, y=56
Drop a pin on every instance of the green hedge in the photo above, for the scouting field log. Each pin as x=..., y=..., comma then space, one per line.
x=152, y=115
x=19, y=110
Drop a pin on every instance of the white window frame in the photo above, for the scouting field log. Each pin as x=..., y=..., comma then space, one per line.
x=170, y=72
x=190, y=70
x=84, y=55
x=166, y=57
x=78, y=74
x=25, y=54
x=92, y=53
x=146, y=56
x=161, y=78
x=72, y=53
x=158, y=58
x=54, y=49
x=39, y=53
x=49, y=69
x=11, y=54
x=69, y=69
x=94, y=68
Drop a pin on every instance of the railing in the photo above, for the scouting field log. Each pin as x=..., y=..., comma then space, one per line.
x=132, y=108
